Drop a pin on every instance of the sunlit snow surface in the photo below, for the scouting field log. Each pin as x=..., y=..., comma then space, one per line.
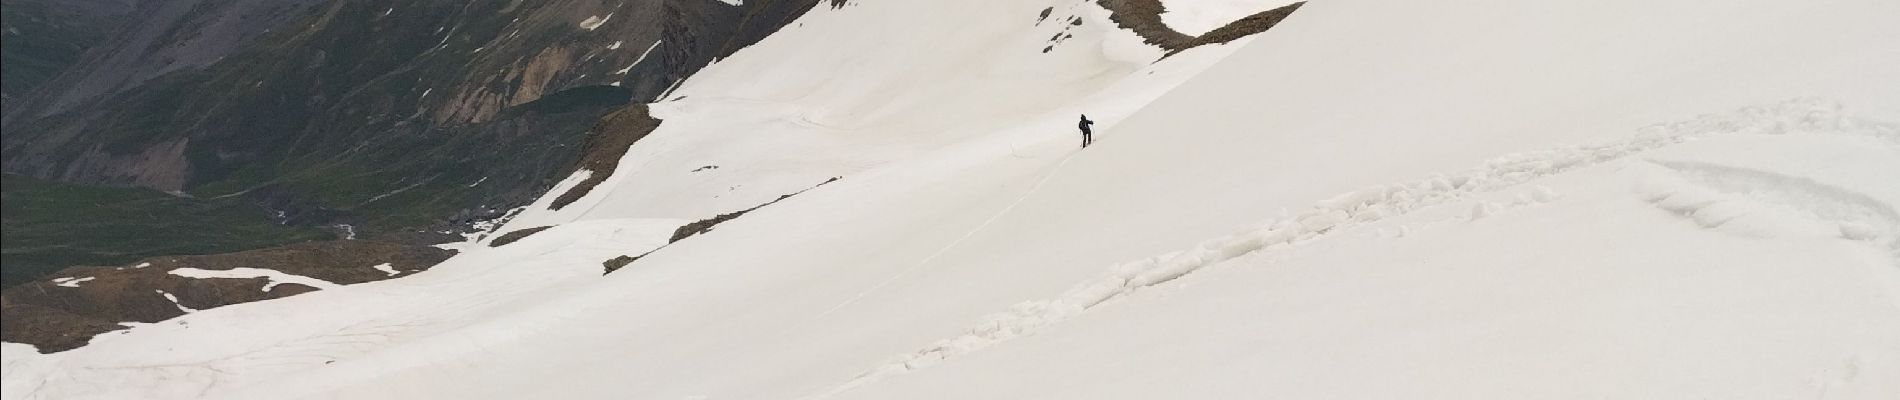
x=1377, y=199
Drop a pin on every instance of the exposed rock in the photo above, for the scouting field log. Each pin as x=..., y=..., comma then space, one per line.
x=706, y=225
x=516, y=235
x=1252, y=24
x=42, y=38
x=160, y=37
x=699, y=227
x=1143, y=17
x=616, y=263
x=605, y=144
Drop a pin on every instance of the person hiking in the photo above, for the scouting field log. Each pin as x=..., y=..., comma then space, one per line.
x=1087, y=136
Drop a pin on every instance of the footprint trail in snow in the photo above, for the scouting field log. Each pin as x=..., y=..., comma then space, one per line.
x=1858, y=217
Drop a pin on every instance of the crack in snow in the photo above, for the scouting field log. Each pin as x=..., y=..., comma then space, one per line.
x=1732, y=199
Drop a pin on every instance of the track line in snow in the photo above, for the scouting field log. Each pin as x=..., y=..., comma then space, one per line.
x=1351, y=209
x=1742, y=201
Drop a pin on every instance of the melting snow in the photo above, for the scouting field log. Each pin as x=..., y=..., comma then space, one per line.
x=71, y=282
x=637, y=60
x=594, y=22
x=174, y=300
x=275, y=277
x=387, y=269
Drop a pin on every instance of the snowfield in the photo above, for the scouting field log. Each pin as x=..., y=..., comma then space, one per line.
x=1375, y=199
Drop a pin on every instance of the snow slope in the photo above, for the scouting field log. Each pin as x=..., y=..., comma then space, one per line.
x=1376, y=199
x=189, y=356
x=1686, y=262
x=769, y=134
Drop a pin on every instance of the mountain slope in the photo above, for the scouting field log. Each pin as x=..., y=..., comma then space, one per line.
x=1372, y=199
x=401, y=120
x=43, y=37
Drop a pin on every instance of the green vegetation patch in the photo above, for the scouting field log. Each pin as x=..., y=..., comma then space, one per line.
x=50, y=226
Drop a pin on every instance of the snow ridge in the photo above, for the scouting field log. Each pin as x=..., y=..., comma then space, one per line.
x=1367, y=205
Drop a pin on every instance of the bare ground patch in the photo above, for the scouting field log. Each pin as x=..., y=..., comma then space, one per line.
x=515, y=236
x=601, y=151
x=1143, y=17
x=699, y=227
x=67, y=309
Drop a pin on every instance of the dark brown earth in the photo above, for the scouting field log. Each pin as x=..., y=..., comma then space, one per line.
x=603, y=147
x=1143, y=17
x=616, y=263
x=706, y=225
x=1252, y=24
x=515, y=236
x=57, y=318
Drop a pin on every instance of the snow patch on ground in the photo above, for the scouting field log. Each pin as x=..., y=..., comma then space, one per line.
x=387, y=269
x=174, y=300
x=71, y=281
x=637, y=60
x=595, y=21
x=275, y=277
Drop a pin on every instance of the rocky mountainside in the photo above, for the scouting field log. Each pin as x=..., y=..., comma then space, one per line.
x=460, y=130
x=40, y=38
x=386, y=116
x=888, y=200
x=172, y=128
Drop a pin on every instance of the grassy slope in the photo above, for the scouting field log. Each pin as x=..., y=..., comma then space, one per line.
x=50, y=226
